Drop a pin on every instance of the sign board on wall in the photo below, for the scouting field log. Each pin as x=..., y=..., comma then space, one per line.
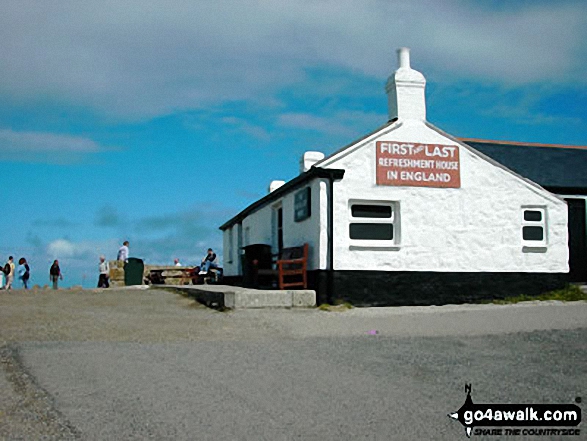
x=303, y=204
x=417, y=165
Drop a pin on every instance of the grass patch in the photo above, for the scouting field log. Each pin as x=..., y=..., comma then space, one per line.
x=339, y=306
x=570, y=293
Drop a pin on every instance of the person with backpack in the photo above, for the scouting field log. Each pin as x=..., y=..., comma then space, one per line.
x=9, y=271
x=55, y=274
x=24, y=272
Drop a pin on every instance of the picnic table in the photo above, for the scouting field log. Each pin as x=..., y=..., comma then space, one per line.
x=185, y=275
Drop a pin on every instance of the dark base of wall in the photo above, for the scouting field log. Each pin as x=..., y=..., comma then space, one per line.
x=232, y=280
x=382, y=288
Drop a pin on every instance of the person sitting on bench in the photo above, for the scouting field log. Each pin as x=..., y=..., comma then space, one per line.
x=208, y=262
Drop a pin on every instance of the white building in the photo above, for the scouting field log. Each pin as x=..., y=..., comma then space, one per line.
x=409, y=214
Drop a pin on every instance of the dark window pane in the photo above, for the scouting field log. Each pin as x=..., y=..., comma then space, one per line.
x=371, y=231
x=533, y=233
x=535, y=216
x=383, y=211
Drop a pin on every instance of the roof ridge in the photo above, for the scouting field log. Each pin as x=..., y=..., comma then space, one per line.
x=518, y=143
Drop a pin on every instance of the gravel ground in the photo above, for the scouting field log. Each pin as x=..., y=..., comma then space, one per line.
x=151, y=364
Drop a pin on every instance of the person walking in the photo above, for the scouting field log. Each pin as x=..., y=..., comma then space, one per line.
x=123, y=251
x=104, y=273
x=55, y=274
x=9, y=271
x=24, y=272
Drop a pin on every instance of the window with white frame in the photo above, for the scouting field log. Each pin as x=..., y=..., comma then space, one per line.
x=534, y=226
x=372, y=223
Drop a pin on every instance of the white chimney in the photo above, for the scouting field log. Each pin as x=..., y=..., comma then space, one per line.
x=405, y=90
x=275, y=185
x=308, y=159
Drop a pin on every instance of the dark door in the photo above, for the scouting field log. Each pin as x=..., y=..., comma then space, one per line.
x=280, y=229
x=577, y=241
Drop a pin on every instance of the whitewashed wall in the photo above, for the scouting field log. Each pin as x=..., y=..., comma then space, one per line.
x=260, y=225
x=229, y=261
x=477, y=227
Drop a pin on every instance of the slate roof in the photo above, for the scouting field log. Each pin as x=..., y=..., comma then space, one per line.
x=558, y=168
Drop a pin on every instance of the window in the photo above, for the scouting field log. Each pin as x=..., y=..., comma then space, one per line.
x=371, y=231
x=534, y=226
x=373, y=223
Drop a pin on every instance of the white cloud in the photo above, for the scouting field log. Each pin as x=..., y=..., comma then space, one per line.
x=61, y=248
x=45, y=142
x=64, y=248
x=146, y=58
x=242, y=125
x=45, y=147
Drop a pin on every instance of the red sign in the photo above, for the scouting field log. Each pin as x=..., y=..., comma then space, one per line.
x=417, y=165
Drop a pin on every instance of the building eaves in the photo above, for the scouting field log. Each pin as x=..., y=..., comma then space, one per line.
x=521, y=144
x=314, y=172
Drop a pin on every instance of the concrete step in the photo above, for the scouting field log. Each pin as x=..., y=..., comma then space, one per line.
x=236, y=297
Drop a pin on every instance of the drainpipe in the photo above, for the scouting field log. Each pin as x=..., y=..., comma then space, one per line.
x=332, y=175
x=330, y=274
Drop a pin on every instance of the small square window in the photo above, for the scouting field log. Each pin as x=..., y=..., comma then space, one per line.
x=534, y=227
x=533, y=233
x=532, y=215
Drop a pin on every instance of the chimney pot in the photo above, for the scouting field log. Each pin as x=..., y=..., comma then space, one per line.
x=406, y=90
x=403, y=56
x=308, y=159
x=274, y=185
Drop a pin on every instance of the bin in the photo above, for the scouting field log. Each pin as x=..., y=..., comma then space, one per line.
x=259, y=252
x=133, y=271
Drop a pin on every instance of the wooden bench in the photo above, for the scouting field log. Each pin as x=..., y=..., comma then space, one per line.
x=291, y=263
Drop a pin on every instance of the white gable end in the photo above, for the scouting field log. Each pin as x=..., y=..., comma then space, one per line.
x=475, y=227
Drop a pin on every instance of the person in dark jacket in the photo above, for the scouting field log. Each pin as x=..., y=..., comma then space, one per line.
x=55, y=274
x=24, y=272
x=209, y=261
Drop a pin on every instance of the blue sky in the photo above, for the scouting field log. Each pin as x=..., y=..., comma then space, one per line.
x=157, y=121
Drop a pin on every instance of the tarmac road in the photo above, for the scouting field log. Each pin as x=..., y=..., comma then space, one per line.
x=153, y=365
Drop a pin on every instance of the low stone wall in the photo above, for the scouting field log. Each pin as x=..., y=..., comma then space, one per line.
x=117, y=273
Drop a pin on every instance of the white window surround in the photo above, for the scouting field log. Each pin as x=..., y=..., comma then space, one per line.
x=534, y=217
x=393, y=220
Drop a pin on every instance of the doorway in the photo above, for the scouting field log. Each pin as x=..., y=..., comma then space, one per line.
x=277, y=219
x=577, y=240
